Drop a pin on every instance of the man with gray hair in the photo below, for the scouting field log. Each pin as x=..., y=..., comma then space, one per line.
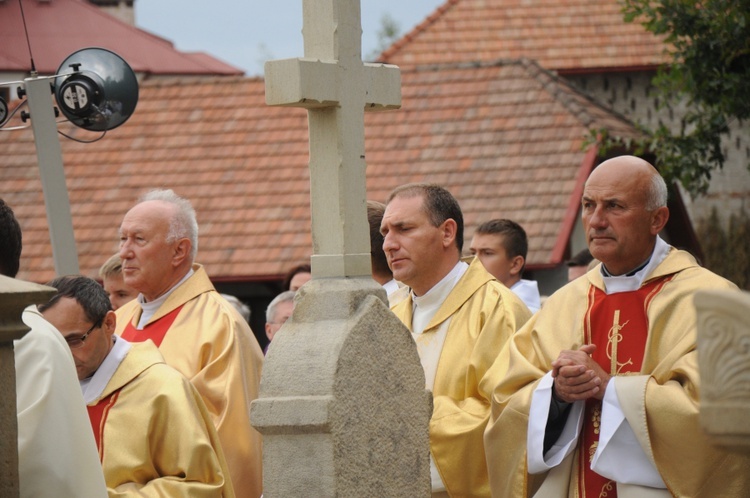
x=602, y=395
x=278, y=312
x=197, y=331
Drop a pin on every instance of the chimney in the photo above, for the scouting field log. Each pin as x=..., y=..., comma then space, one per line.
x=121, y=9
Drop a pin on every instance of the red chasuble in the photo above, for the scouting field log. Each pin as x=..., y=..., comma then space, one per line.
x=154, y=330
x=98, y=417
x=618, y=325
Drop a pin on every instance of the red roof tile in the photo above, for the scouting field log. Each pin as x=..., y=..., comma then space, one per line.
x=58, y=28
x=506, y=138
x=563, y=35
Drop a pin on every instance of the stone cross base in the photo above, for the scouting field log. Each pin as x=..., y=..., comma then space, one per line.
x=343, y=408
x=724, y=363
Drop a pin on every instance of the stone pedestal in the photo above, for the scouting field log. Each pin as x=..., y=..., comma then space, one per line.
x=343, y=408
x=724, y=362
x=15, y=295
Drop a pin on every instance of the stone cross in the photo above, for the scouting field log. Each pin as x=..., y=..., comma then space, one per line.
x=15, y=295
x=336, y=87
x=342, y=405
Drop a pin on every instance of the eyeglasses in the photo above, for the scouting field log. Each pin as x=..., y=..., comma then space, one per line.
x=77, y=342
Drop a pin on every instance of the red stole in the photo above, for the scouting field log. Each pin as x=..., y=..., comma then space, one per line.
x=618, y=325
x=98, y=418
x=155, y=330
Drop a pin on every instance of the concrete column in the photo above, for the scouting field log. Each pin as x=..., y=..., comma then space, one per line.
x=342, y=407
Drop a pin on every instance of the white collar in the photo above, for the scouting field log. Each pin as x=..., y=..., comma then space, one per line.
x=93, y=387
x=613, y=285
x=425, y=307
x=391, y=286
x=150, y=308
x=439, y=292
x=528, y=292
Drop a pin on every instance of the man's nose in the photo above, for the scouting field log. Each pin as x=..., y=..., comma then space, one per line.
x=389, y=243
x=597, y=218
x=124, y=249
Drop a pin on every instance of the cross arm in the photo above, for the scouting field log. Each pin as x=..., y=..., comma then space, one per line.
x=314, y=84
x=383, y=83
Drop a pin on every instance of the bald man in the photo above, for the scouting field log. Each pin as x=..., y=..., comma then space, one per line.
x=602, y=394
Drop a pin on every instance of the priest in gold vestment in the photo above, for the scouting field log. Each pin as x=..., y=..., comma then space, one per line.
x=153, y=432
x=601, y=397
x=197, y=331
x=460, y=317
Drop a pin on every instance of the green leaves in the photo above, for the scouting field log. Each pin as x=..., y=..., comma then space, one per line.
x=709, y=43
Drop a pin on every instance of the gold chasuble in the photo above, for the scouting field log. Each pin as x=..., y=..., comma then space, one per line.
x=483, y=315
x=213, y=346
x=647, y=339
x=154, y=434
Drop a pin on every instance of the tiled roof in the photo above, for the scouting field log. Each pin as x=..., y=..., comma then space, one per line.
x=562, y=35
x=506, y=138
x=58, y=28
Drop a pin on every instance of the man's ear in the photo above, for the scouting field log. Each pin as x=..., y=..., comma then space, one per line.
x=517, y=265
x=109, y=323
x=181, y=252
x=659, y=219
x=450, y=227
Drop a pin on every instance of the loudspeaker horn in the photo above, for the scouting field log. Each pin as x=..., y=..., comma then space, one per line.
x=96, y=89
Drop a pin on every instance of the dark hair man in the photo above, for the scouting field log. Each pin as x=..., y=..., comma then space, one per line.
x=501, y=245
x=128, y=388
x=381, y=272
x=460, y=318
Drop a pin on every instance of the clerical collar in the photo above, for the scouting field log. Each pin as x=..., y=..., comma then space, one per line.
x=633, y=280
x=150, y=308
x=640, y=267
x=93, y=387
x=424, y=307
x=391, y=286
x=440, y=290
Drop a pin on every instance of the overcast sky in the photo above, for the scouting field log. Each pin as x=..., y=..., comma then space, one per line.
x=245, y=33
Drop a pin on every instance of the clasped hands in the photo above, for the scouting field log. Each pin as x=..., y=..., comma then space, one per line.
x=577, y=376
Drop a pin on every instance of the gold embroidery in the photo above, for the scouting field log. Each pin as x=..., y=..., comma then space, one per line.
x=596, y=418
x=614, y=338
x=592, y=451
x=606, y=489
